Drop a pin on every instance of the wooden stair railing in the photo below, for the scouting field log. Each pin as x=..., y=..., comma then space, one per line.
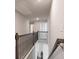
x=57, y=43
x=24, y=43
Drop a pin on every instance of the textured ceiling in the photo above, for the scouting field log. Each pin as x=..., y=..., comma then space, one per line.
x=33, y=8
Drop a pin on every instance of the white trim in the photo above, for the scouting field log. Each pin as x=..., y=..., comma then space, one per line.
x=29, y=52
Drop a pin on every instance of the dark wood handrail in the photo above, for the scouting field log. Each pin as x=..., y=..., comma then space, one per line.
x=25, y=37
x=58, y=41
x=16, y=49
x=26, y=34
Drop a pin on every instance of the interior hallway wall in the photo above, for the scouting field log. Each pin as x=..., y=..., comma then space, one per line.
x=21, y=24
x=56, y=22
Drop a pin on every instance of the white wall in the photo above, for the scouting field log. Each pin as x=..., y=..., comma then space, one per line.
x=36, y=26
x=56, y=22
x=21, y=24
x=31, y=28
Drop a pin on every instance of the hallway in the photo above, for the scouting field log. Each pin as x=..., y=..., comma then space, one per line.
x=39, y=29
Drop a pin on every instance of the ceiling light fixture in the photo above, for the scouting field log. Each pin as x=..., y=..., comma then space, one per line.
x=37, y=18
x=39, y=0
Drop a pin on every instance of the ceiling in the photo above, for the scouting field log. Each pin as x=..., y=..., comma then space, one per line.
x=33, y=8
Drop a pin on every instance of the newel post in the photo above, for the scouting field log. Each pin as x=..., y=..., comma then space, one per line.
x=16, y=49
